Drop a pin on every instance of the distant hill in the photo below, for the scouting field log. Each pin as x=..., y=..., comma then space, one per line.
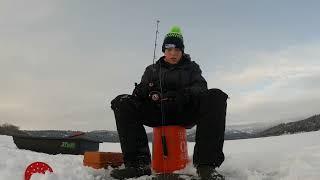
x=310, y=124
x=231, y=133
x=99, y=135
x=112, y=136
x=10, y=130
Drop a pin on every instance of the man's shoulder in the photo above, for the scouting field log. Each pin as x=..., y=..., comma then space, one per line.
x=194, y=65
x=190, y=62
x=149, y=67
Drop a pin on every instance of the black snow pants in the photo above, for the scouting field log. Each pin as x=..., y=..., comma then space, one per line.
x=207, y=111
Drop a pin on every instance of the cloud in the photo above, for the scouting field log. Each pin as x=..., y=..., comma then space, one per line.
x=277, y=85
x=60, y=67
x=17, y=14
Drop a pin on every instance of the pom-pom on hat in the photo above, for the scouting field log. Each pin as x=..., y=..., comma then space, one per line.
x=173, y=39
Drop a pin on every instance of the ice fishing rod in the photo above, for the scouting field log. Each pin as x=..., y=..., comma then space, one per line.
x=155, y=42
x=154, y=95
x=157, y=97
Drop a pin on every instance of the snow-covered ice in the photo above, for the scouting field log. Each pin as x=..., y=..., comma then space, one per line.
x=287, y=157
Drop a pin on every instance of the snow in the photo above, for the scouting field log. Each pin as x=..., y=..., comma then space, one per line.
x=287, y=157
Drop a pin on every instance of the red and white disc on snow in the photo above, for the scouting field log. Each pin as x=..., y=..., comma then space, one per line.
x=36, y=167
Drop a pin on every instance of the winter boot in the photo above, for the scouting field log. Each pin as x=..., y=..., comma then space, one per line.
x=209, y=173
x=131, y=172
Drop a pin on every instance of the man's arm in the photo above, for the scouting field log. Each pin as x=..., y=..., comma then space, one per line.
x=198, y=83
x=141, y=90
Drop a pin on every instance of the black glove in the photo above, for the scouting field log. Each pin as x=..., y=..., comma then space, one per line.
x=141, y=91
x=145, y=91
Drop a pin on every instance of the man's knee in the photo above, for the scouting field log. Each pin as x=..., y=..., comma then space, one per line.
x=212, y=98
x=120, y=101
x=217, y=94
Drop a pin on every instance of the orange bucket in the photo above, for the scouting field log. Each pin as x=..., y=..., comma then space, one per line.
x=169, y=151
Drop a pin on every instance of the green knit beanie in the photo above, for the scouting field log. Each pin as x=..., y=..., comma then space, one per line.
x=173, y=39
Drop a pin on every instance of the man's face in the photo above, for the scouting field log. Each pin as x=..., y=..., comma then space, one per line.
x=172, y=55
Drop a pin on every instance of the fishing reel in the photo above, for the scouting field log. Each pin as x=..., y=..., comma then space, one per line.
x=155, y=96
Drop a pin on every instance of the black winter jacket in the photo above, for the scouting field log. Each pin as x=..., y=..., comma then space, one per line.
x=185, y=76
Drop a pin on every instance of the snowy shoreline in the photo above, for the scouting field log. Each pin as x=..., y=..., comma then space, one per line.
x=286, y=157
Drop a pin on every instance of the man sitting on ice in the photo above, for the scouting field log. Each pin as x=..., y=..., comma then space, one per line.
x=171, y=92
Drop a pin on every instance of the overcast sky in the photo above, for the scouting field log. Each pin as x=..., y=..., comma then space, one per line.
x=62, y=62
